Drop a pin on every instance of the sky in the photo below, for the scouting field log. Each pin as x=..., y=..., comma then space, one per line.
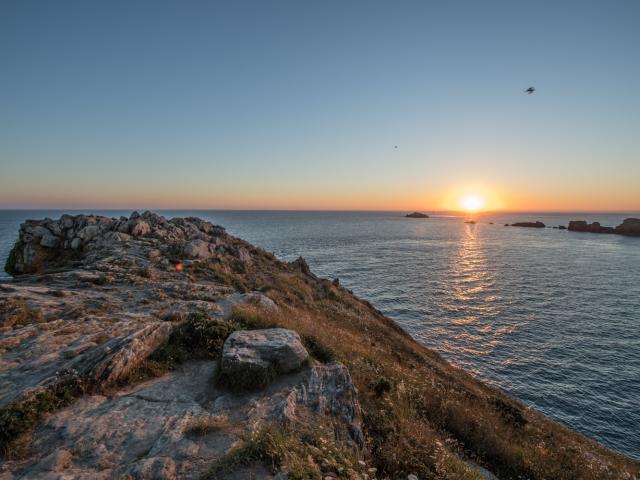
x=301, y=104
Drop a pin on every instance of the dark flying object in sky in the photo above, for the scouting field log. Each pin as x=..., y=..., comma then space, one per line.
x=530, y=90
x=396, y=146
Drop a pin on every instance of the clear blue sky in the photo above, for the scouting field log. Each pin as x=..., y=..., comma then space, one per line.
x=274, y=104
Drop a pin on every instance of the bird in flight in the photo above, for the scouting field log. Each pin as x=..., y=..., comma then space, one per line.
x=530, y=90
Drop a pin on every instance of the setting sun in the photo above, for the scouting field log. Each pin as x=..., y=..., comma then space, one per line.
x=472, y=203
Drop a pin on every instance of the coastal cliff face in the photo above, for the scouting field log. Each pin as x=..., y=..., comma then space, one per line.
x=146, y=348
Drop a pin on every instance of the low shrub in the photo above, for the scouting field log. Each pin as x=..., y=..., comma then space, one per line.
x=200, y=337
x=318, y=349
x=204, y=336
x=382, y=386
x=22, y=415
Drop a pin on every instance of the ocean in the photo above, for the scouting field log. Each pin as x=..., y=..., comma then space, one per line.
x=551, y=317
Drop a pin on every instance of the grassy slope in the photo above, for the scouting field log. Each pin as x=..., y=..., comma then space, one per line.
x=420, y=413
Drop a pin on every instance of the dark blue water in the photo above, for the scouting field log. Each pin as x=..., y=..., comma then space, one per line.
x=551, y=317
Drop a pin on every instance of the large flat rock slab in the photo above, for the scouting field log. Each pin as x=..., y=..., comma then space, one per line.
x=143, y=432
x=81, y=326
x=147, y=431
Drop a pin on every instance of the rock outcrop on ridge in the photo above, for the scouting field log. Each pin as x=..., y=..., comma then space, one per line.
x=148, y=348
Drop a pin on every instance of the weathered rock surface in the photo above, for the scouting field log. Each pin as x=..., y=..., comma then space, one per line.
x=82, y=324
x=149, y=431
x=536, y=224
x=71, y=341
x=252, y=358
x=100, y=297
x=47, y=244
x=328, y=389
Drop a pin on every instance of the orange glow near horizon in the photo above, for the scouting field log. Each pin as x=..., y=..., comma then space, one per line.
x=419, y=195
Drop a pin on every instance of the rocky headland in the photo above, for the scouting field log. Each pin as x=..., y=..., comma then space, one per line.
x=148, y=348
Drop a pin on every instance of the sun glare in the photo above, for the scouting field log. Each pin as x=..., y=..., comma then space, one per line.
x=472, y=203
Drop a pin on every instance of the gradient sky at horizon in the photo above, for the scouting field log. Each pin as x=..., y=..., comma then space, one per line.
x=299, y=105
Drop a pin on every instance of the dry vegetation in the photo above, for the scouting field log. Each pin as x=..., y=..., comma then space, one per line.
x=15, y=312
x=200, y=426
x=421, y=415
x=303, y=451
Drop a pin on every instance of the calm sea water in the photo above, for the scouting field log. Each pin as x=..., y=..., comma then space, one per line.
x=551, y=317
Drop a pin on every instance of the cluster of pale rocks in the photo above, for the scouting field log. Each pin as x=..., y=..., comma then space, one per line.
x=40, y=241
x=84, y=312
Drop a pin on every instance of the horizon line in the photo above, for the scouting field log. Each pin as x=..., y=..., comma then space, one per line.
x=432, y=211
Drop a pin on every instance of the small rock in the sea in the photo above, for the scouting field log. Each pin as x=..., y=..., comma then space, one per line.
x=536, y=224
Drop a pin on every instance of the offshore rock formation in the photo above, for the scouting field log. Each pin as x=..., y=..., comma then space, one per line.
x=416, y=215
x=537, y=224
x=595, y=227
x=629, y=227
x=147, y=348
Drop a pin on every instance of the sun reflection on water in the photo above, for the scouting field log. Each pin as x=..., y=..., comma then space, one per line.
x=471, y=301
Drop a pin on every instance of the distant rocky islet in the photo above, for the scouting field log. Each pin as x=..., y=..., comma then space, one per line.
x=629, y=227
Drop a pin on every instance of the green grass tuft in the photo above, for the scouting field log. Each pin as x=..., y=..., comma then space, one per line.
x=22, y=415
x=200, y=337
